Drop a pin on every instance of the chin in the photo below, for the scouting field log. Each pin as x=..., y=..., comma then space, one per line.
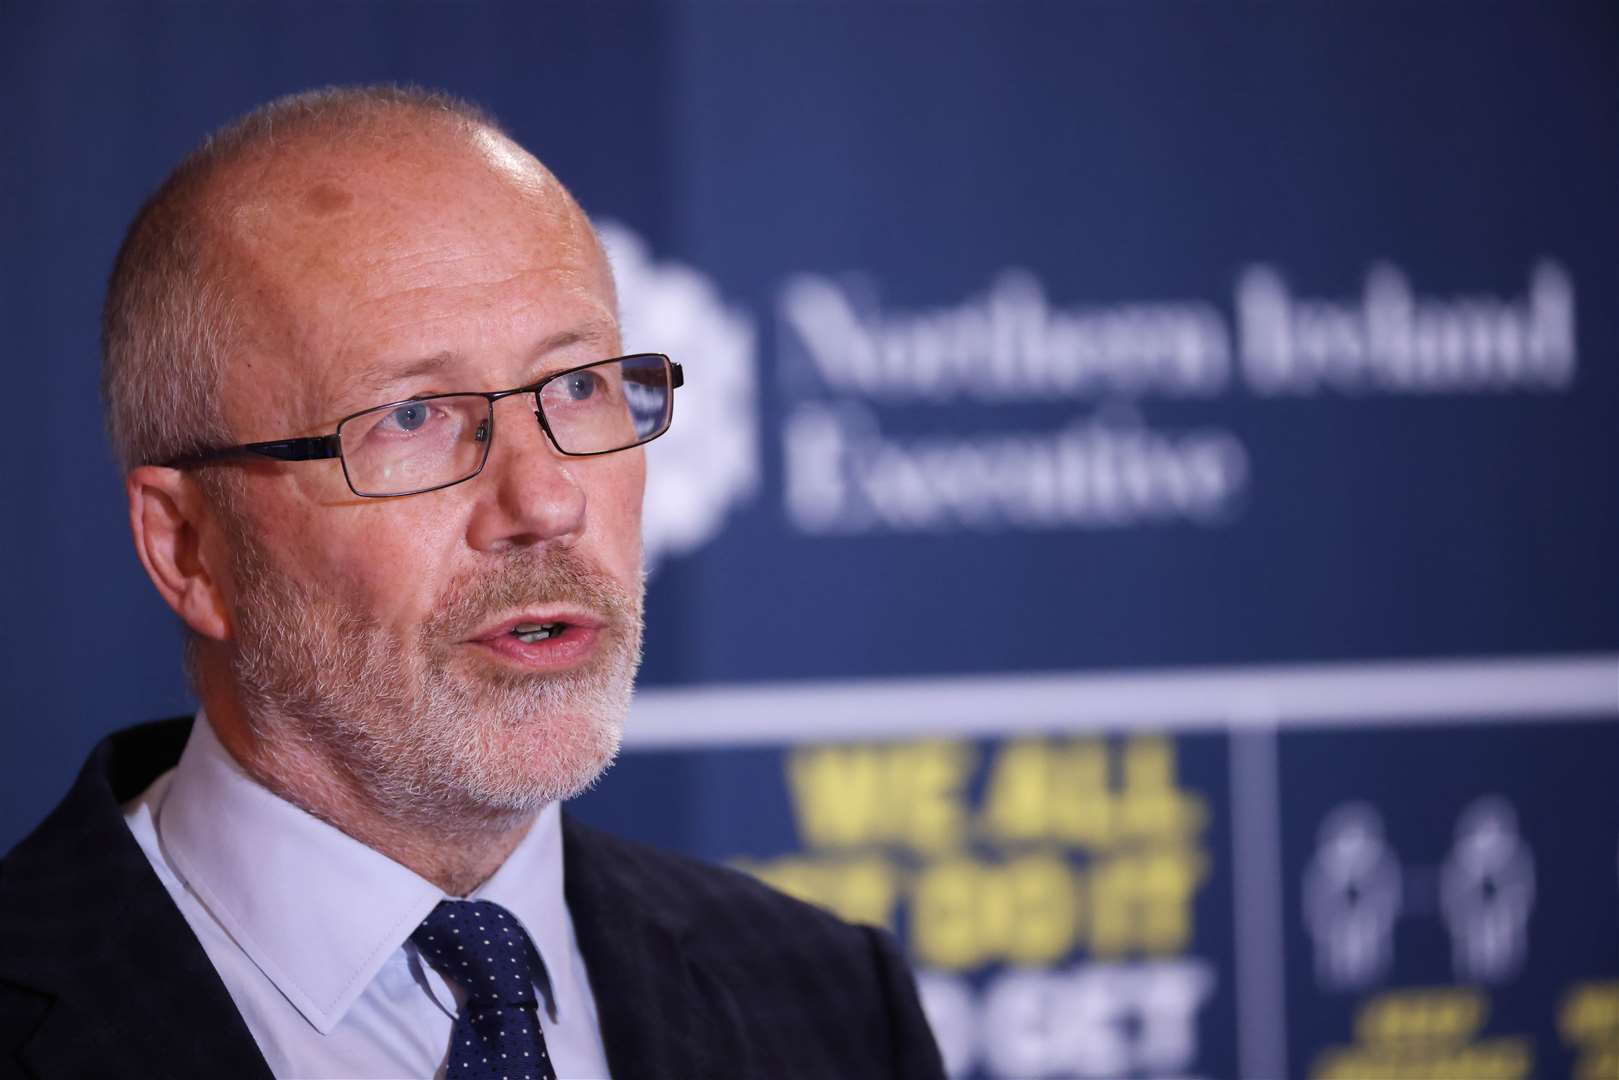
x=538, y=760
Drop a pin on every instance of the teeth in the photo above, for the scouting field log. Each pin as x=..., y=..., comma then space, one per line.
x=529, y=633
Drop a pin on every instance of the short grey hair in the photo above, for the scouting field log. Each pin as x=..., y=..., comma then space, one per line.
x=170, y=315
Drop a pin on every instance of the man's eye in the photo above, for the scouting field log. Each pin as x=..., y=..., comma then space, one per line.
x=407, y=417
x=580, y=385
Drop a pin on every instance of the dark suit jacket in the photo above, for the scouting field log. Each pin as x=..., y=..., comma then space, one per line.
x=697, y=971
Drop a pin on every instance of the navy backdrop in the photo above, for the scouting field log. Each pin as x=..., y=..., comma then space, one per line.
x=1140, y=523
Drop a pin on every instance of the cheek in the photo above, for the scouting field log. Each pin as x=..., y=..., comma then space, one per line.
x=402, y=569
x=614, y=506
x=378, y=561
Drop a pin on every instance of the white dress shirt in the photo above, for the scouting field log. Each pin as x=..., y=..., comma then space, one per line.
x=309, y=928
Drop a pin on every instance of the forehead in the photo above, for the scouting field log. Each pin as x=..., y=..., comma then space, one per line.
x=361, y=266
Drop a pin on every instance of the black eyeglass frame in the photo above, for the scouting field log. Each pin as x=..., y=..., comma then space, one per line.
x=321, y=447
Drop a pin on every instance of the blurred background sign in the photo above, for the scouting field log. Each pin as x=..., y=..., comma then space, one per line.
x=1140, y=523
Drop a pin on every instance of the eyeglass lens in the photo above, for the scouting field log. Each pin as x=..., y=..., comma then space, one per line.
x=608, y=406
x=418, y=445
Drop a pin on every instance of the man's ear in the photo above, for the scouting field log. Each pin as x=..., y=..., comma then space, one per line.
x=170, y=520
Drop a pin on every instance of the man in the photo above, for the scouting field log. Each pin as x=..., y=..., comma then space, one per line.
x=383, y=459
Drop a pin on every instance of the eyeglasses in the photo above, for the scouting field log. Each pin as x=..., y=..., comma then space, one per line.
x=430, y=442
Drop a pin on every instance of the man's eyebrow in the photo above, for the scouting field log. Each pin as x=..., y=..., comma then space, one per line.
x=378, y=377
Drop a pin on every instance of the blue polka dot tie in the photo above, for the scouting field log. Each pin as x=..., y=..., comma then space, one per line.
x=481, y=948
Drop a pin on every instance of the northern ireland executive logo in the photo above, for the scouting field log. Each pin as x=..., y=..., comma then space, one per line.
x=709, y=460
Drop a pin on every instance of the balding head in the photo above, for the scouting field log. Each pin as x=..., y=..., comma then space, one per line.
x=193, y=279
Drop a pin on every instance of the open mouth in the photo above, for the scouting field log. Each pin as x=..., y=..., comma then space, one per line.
x=543, y=642
x=528, y=633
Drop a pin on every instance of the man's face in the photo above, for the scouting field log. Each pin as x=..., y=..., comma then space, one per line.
x=378, y=631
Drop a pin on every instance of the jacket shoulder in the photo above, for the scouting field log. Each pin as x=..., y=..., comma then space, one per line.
x=119, y=768
x=702, y=894
x=100, y=974
x=802, y=981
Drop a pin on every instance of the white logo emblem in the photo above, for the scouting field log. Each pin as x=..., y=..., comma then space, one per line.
x=1353, y=893
x=709, y=460
x=1487, y=892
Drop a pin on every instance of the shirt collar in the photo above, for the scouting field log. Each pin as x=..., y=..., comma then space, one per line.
x=316, y=910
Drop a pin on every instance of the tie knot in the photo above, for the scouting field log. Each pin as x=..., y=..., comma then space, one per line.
x=481, y=947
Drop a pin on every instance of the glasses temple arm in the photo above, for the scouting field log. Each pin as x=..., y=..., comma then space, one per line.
x=310, y=449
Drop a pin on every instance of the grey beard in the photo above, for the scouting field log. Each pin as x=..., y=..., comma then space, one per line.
x=423, y=741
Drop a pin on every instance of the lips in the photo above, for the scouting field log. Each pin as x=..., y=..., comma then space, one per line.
x=541, y=640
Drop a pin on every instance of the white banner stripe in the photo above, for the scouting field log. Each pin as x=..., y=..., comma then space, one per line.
x=1285, y=696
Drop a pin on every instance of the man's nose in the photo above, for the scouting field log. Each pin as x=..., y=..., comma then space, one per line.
x=528, y=493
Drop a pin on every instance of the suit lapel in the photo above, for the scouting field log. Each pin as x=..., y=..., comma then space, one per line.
x=86, y=925
x=660, y=1016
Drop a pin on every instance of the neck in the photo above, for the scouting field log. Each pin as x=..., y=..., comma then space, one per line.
x=456, y=852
